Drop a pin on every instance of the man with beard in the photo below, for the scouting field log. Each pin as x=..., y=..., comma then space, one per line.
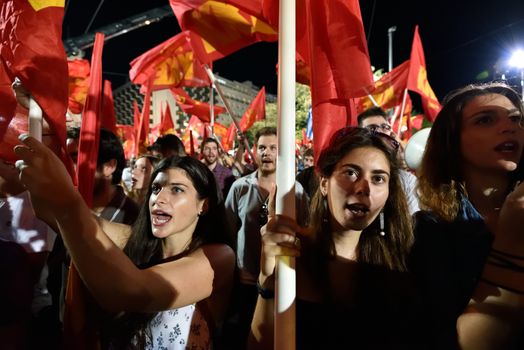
x=223, y=175
x=246, y=213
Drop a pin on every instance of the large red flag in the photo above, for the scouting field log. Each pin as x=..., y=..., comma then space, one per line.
x=172, y=63
x=7, y=102
x=194, y=107
x=256, y=111
x=108, y=108
x=418, y=79
x=221, y=27
x=79, y=328
x=227, y=140
x=31, y=49
x=340, y=65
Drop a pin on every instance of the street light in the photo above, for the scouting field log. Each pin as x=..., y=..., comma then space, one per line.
x=391, y=30
x=517, y=60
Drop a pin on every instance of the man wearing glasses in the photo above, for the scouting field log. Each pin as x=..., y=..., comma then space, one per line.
x=376, y=119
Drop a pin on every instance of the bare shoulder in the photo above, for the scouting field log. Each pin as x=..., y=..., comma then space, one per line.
x=118, y=233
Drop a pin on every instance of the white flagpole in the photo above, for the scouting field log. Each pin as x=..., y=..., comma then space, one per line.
x=212, y=109
x=35, y=119
x=285, y=286
x=401, y=115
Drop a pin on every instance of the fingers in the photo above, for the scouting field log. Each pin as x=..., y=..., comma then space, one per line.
x=281, y=244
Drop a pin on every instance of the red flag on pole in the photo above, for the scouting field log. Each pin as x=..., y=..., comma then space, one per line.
x=8, y=101
x=143, y=125
x=31, y=49
x=166, y=122
x=221, y=27
x=256, y=111
x=340, y=65
x=170, y=64
x=80, y=331
x=418, y=79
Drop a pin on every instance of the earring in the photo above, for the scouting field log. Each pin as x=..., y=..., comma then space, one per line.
x=382, y=233
x=326, y=210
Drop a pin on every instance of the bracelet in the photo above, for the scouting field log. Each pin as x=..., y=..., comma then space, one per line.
x=264, y=292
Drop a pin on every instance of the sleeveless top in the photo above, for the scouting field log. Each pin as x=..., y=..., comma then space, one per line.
x=178, y=329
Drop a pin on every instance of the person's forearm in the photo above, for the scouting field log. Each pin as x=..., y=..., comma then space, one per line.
x=107, y=272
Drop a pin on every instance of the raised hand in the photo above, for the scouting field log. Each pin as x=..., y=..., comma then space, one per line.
x=45, y=177
x=278, y=238
x=509, y=235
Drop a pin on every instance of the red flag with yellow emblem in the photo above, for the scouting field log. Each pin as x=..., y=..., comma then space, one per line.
x=418, y=79
x=194, y=107
x=256, y=111
x=170, y=64
x=78, y=84
x=221, y=27
x=31, y=49
x=388, y=90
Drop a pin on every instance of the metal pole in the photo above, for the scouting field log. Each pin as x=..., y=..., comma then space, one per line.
x=391, y=30
x=522, y=82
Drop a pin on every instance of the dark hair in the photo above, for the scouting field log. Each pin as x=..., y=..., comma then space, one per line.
x=308, y=153
x=265, y=131
x=168, y=145
x=145, y=250
x=371, y=112
x=390, y=251
x=440, y=176
x=110, y=148
x=209, y=140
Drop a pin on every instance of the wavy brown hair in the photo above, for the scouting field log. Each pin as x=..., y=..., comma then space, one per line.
x=390, y=251
x=440, y=178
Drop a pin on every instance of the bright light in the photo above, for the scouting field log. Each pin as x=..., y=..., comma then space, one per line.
x=517, y=59
x=147, y=22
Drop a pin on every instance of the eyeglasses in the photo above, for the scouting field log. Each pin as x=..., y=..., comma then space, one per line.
x=262, y=215
x=376, y=127
x=389, y=141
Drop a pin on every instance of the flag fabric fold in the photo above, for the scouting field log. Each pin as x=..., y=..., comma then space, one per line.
x=170, y=64
x=194, y=107
x=255, y=112
x=221, y=27
x=78, y=84
x=108, y=109
x=418, y=79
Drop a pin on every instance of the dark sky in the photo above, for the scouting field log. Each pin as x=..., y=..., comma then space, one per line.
x=461, y=38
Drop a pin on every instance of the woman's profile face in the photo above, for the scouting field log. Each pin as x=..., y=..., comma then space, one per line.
x=141, y=173
x=492, y=137
x=358, y=188
x=174, y=205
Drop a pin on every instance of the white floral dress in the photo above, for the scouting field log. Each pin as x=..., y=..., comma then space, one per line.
x=179, y=329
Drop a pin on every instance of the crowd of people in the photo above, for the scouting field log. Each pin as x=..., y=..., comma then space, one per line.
x=179, y=252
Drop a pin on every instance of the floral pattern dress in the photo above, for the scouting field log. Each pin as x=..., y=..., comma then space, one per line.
x=179, y=329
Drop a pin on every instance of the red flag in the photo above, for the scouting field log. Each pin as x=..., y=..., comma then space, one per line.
x=166, y=122
x=78, y=84
x=143, y=125
x=194, y=107
x=108, y=108
x=418, y=79
x=80, y=330
x=126, y=133
x=255, y=112
x=31, y=49
x=389, y=89
x=170, y=64
x=227, y=141
x=340, y=65
x=221, y=27
x=8, y=104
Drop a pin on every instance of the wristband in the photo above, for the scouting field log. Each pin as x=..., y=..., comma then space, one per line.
x=264, y=292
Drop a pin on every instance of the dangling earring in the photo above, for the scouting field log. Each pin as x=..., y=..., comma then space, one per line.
x=382, y=233
x=326, y=210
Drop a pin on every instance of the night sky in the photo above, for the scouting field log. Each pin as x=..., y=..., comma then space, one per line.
x=461, y=39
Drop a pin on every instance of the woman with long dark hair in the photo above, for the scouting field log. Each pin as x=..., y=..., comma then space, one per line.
x=352, y=281
x=171, y=284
